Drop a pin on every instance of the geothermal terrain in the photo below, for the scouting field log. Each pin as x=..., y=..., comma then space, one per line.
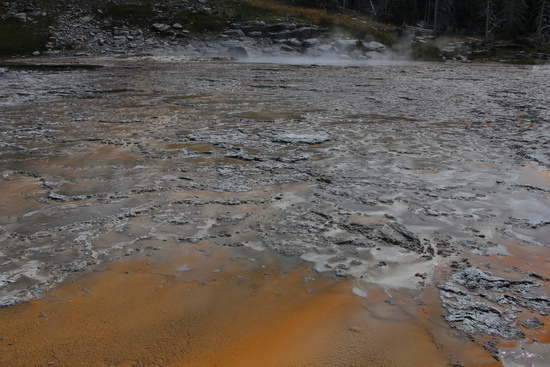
x=177, y=210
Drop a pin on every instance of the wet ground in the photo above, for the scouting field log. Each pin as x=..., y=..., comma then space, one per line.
x=210, y=212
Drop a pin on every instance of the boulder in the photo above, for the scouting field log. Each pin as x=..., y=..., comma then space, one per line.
x=280, y=35
x=21, y=17
x=325, y=48
x=346, y=45
x=373, y=46
x=237, y=51
x=279, y=27
x=160, y=27
x=250, y=27
x=136, y=32
x=286, y=48
x=234, y=33
x=119, y=39
x=255, y=34
x=294, y=43
x=306, y=32
x=121, y=32
x=309, y=43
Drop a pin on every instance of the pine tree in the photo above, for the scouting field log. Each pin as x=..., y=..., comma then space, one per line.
x=443, y=15
x=513, y=17
x=542, y=20
x=491, y=21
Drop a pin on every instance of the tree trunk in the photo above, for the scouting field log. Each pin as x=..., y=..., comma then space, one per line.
x=541, y=19
x=487, y=19
x=436, y=7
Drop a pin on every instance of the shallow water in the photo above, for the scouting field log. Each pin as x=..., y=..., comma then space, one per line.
x=381, y=174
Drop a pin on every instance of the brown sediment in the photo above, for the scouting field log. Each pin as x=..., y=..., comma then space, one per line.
x=19, y=194
x=525, y=257
x=534, y=174
x=268, y=115
x=361, y=219
x=191, y=309
x=102, y=155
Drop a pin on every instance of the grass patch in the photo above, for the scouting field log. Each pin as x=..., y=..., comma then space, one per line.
x=427, y=52
x=19, y=38
x=129, y=14
x=199, y=22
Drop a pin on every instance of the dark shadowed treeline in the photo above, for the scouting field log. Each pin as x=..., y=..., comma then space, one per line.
x=491, y=18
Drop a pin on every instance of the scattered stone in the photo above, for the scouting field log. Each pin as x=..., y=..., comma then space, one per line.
x=301, y=138
x=473, y=299
x=373, y=46
x=20, y=17
x=160, y=27
x=533, y=323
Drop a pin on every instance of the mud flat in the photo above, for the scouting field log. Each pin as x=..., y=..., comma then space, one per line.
x=171, y=210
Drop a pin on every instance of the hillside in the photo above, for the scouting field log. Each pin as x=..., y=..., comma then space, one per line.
x=71, y=27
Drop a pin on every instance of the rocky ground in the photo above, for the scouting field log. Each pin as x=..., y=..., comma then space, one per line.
x=84, y=30
x=423, y=174
x=203, y=27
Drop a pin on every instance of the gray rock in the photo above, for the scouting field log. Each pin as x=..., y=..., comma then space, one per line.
x=160, y=27
x=121, y=32
x=237, y=51
x=309, y=43
x=533, y=323
x=280, y=35
x=20, y=17
x=301, y=138
x=119, y=39
x=250, y=27
x=346, y=45
x=279, y=27
x=478, y=302
x=235, y=33
x=306, y=32
x=286, y=48
x=254, y=34
x=325, y=48
x=373, y=46
x=294, y=43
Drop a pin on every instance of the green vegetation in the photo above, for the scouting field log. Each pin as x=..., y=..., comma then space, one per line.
x=23, y=37
x=427, y=52
x=137, y=14
x=202, y=18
